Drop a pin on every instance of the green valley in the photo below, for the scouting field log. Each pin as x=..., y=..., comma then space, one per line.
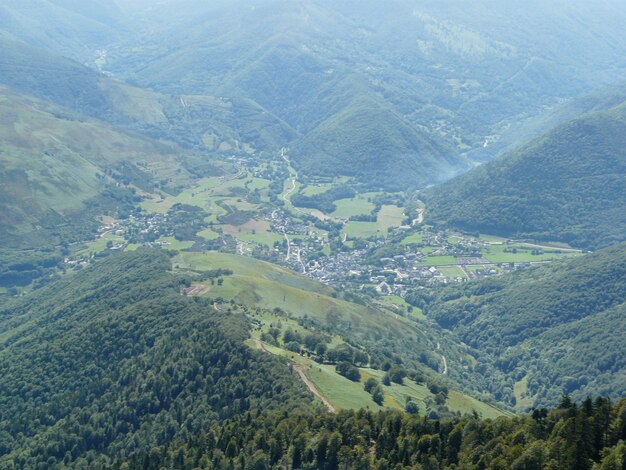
x=312, y=235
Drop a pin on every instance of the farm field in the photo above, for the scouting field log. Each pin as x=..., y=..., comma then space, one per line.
x=315, y=189
x=389, y=216
x=522, y=253
x=354, y=229
x=417, y=237
x=522, y=399
x=172, y=244
x=257, y=231
x=100, y=244
x=452, y=272
x=207, y=191
x=208, y=234
x=347, y=208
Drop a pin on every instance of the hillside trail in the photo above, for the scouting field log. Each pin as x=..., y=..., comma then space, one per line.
x=300, y=370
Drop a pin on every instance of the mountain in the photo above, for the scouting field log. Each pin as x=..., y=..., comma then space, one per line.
x=567, y=185
x=71, y=134
x=59, y=170
x=552, y=329
x=457, y=78
x=75, y=28
x=453, y=81
x=113, y=367
x=377, y=146
x=112, y=361
x=199, y=122
x=526, y=130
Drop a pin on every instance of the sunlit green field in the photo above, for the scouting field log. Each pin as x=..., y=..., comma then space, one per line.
x=358, y=205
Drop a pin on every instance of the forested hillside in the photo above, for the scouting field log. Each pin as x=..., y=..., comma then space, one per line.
x=113, y=361
x=567, y=185
x=551, y=329
x=70, y=27
x=113, y=368
x=376, y=145
x=446, y=82
x=569, y=437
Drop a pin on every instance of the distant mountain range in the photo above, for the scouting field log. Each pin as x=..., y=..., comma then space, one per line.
x=454, y=81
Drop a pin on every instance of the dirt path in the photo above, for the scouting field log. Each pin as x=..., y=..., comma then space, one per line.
x=300, y=370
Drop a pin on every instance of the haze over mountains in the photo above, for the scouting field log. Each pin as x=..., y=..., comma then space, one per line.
x=453, y=80
x=256, y=234
x=567, y=185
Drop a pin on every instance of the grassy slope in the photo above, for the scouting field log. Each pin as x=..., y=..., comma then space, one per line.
x=202, y=122
x=53, y=161
x=256, y=283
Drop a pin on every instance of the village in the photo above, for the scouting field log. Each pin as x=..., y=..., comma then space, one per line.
x=350, y=252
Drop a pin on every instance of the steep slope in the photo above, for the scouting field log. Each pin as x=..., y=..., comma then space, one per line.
x=462, y=76
x=57, y=167
x=373, y=143
x=186, y=120
x=553, y=329
x=567, y=185
x=70, y=27
x=383, y=334
x=113, y=361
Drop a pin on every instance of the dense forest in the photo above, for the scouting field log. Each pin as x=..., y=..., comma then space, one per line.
x=570, y=437
x=567, y=185
x=557, y=328
x=113, y=360
x=112, y=367
x=166, y=301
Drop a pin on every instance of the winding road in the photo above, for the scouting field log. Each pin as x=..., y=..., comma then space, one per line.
x=285, y=197
x=293, y=180
x=445, y=362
